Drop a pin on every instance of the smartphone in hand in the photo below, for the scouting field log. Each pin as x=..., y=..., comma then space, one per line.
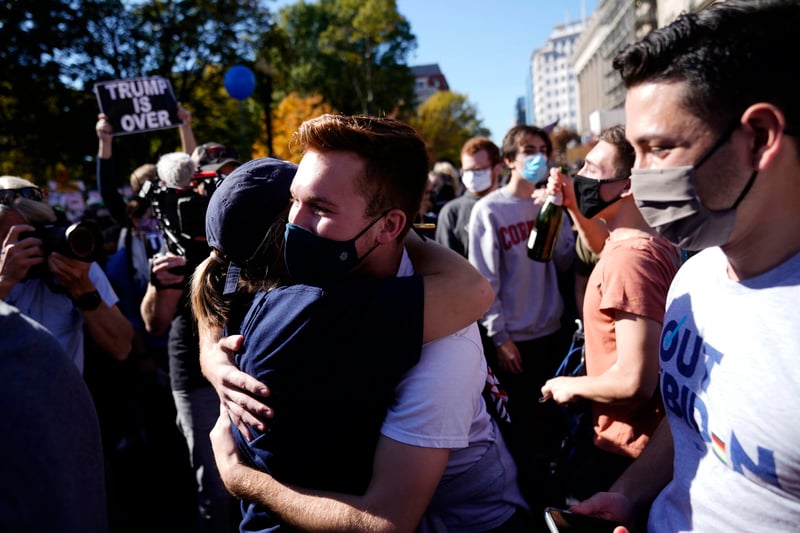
x=563, y=521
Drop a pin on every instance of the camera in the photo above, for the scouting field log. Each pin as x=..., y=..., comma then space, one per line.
x=181, y=213
x=82, y=240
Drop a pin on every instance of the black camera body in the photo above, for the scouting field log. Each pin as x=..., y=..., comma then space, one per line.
x=181, y=214
x=81, y=240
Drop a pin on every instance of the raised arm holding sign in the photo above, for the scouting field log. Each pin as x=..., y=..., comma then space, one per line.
x=138, y=104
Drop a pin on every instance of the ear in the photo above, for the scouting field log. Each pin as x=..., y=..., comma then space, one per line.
x=766, y=124
x=627, y=190
x=393, y=224
x=497, y=170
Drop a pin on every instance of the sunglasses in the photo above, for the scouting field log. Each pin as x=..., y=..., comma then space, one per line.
x=7, y=196
x=217, y=151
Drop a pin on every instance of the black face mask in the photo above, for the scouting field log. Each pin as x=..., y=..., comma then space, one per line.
x=310, y=257
x=587, y=195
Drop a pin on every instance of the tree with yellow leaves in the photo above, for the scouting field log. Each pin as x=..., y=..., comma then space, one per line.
x=286, y=119
x=445, y=121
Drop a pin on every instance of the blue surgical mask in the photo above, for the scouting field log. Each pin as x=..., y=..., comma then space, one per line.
x=310, y=257
x=534, y=167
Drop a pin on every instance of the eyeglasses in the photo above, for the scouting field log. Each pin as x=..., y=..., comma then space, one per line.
x=7, y=196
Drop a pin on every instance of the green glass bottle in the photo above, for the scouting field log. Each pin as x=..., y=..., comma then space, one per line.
x=544, y=234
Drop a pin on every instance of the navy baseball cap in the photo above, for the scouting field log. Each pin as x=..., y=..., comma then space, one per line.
x=245, y=205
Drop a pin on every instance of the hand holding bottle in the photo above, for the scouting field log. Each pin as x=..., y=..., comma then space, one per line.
x=542, y=240
x=561, y=182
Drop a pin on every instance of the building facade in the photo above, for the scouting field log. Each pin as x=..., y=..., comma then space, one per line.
x=520, y=112
x=668, y=10
x=614, y=24
x=554, y=91
x=428, y=79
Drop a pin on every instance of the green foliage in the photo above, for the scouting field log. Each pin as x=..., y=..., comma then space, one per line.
x=353, y=52
x=56, y=50
x=37, y=109
x=344, y=55
x=446, y=120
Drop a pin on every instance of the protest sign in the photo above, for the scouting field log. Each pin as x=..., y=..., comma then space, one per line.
x=138, y=104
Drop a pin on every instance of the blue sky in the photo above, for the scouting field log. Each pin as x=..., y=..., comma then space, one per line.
x=483, y=47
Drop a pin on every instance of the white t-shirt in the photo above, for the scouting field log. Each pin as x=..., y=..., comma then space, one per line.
x=730, y=380
x=438, y=404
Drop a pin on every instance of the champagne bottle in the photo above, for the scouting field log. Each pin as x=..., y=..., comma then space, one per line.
x=544, y=234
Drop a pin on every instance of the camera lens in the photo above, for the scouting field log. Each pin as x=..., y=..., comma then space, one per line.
x=81, y=241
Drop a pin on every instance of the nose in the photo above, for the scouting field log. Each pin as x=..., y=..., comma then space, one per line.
x=638, y=161
x=298, y=214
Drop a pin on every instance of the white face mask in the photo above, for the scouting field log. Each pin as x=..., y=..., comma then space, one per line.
x=477, y=180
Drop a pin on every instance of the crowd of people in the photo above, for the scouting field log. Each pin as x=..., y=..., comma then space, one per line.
x=264, y=346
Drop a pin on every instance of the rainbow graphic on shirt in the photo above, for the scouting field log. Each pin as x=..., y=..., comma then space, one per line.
x=719, y=448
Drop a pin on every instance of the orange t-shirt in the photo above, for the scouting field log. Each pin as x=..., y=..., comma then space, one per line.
x=633, y=276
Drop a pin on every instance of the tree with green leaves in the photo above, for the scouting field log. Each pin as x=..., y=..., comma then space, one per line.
x=39, y=111
x=53, y=54
x=353, y=52
x=193, y=43
x=445, y=121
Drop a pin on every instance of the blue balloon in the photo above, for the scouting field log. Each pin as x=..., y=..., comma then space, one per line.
x=240, y=82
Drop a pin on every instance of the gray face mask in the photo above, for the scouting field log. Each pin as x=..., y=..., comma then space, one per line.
x=669, y=203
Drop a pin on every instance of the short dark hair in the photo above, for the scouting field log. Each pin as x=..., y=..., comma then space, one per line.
x=511, y=140
x=396, y=158
x=476, y=144
x=730, y=55
x=626, y=155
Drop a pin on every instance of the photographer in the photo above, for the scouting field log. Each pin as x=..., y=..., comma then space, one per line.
x=62, y=294
x=179, y=198
x=128, y=268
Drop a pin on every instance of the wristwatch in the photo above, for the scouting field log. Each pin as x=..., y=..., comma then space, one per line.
x=89, y=301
